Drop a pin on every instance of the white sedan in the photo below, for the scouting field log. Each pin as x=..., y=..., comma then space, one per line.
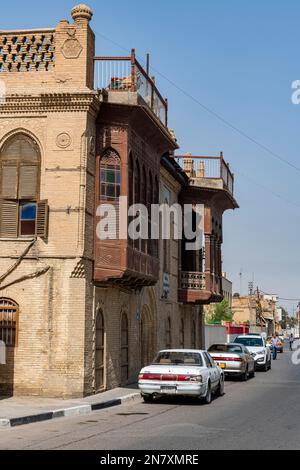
x=185, y=372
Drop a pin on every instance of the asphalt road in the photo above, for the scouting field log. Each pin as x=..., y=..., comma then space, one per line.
x=263, y=413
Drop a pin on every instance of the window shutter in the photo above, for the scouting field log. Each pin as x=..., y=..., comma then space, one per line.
x=8, y=219
x=28, y=182
x=42, y=217
x=9, y=181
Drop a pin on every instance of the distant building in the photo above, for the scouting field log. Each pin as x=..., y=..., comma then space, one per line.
x=227, y=289
x=260, y=312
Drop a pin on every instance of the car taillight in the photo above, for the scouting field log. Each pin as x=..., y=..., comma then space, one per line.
x=171, y=377
x=228, y=359
x=189, y=378
x=148, y=376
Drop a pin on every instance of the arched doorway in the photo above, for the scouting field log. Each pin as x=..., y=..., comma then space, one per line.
x=9, y=313
x=100, y=352
x=9, y=325
x=147, y=337
x=124, y=349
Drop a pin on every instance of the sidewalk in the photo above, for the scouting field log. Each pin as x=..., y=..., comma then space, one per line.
x=17, y=411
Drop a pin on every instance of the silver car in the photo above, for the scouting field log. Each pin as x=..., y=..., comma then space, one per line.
x=233, y=359
x=185, y=372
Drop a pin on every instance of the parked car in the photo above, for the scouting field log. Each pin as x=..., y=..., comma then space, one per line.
x=261, y=353
x=234, y=359
x=185, y=372
x=280, y=344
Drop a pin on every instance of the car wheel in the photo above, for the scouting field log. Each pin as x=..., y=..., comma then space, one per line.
x=148, y=398
x=252, y=374
x=270, y=364
x=221, y=388
x=208, y=397
x=245, y=375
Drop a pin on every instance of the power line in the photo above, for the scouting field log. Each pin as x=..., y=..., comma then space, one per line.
x=282, y=298
x=262, y=186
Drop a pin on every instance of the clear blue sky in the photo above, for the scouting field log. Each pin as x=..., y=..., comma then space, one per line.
x=239, y=59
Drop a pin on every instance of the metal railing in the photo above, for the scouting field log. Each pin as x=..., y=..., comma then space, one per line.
x=121, y=74
x=207, y=167
x=192, y=280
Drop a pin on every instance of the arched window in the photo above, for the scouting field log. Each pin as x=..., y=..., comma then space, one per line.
x=144, y=201
x=130, y=191
x=149, y=204
x=156, y=201
x=147, y=337
x=181, y=333
x=130, y=180
x=137, y=195
x=168, y=333
x=124, y=349
x=110, y=176
x=9, y=312
x=100, y=352
x=21, y=212
x=166, y=248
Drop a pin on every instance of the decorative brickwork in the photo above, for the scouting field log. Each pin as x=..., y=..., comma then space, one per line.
x=79, y=271
x=27, y=52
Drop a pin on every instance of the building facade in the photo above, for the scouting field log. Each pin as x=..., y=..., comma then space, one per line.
x=78, y=314
x=227, y=289
x=259, y=312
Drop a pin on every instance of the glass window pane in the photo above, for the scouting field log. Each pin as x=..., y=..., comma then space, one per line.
x=111, y=176
x=28, y=212
x=103, y=176
x=110, y=190
x=118, y=177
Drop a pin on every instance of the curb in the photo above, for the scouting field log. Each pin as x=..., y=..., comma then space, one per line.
x=79, y=410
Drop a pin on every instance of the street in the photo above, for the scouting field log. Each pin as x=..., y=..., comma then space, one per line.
x=262, y=413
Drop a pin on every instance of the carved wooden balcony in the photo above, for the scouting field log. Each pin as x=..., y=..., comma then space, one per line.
x=199, y=287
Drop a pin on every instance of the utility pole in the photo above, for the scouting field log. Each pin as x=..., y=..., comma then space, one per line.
x=241, y=280
x=258, y=307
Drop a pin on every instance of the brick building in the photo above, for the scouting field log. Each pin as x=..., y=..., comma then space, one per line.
x=78, y=314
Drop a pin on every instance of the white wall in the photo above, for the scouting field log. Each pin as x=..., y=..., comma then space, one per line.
x=214, y=334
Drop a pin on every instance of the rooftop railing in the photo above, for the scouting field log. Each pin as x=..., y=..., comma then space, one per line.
x=207, y=167
x=119, y=74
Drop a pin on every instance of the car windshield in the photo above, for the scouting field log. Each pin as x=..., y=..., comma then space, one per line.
x=231, y=348
x=249, y=342
x=178, y=358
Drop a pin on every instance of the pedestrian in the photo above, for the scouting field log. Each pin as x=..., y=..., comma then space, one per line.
x=291, y=341
x=274, y=346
